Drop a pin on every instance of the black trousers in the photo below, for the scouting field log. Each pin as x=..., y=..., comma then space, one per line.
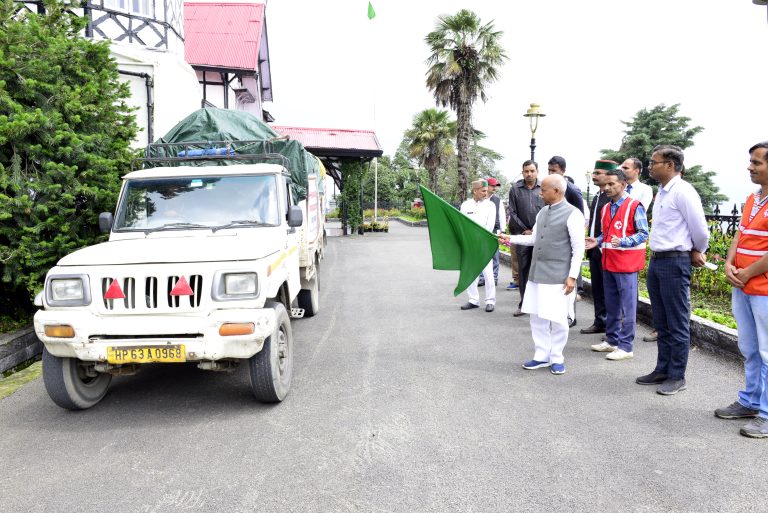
x=598, y=293
x=524, y=256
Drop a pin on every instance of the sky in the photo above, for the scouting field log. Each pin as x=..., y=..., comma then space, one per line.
x=590, y=65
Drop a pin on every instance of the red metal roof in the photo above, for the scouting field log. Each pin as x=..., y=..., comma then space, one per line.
x=332, y=138
x=224, y=35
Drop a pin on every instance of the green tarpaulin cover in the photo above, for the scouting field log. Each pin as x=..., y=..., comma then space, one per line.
x=457, y=242
x=230, y=125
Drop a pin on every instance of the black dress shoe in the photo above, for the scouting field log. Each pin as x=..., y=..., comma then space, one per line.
x=468, y=306
x=571, y=323
x=481, y=284
x=489, y=308
x=653, y=378
x=592, y=329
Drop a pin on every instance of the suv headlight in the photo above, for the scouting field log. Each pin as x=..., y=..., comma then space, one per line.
x=68, y=290
x=235, y=285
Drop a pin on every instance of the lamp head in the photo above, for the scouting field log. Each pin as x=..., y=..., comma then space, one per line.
x=534, y=113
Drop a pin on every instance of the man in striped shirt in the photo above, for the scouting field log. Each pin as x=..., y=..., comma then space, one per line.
x=746, y=267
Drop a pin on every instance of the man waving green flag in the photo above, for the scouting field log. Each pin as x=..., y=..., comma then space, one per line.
x=457, y=242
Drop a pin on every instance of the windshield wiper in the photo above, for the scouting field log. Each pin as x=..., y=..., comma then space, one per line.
x=173, y=225
x=241, y=222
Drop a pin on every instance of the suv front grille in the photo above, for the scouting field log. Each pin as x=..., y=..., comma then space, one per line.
x=157, y=293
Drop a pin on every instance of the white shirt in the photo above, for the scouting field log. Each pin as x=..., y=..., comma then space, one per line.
x=575, y=224
x=642, y=192
x=678, y=222
x=502, y=215
x=482, y=212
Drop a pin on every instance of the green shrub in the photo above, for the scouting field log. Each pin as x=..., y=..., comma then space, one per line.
x=65, y=136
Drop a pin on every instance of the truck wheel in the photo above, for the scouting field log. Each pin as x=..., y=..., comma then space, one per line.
x=69, y=385
x=309, y=299
x=271, y=369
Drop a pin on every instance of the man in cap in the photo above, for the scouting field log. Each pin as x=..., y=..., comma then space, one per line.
x=593, y=253
x=501, y=217
x=558, y=246
x=481, y=210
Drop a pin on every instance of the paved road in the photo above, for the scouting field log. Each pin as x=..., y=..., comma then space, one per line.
x=400, y=403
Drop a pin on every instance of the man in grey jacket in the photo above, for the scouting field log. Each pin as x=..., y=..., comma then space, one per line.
x=558, y=246
x=524, y=203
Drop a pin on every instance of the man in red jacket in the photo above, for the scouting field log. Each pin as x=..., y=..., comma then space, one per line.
x=625, y=230
x=746, y=267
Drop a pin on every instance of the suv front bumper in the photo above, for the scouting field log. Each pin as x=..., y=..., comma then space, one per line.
x=199, y=334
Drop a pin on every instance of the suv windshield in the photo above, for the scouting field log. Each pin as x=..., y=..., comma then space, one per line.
x=198, y=202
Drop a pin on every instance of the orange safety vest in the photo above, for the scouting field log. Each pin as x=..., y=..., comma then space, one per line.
x=622, y=224
x=753, y=244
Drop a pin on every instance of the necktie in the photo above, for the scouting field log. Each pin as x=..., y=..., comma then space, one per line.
x=629, y=188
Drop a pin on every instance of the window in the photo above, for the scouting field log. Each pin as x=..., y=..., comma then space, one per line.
x=204, y=201
x=140, y=7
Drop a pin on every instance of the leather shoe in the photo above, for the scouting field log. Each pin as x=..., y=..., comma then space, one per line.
x=518, y=313
x=468, y=306
x=651, y=379
x=571, y=323
x=489, y=308
x=591, y=329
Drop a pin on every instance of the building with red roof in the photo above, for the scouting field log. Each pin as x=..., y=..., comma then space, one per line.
x=227, y=46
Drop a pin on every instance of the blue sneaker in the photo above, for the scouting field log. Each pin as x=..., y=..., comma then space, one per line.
x=512, y=286
x=557, y=368
x=535, y=364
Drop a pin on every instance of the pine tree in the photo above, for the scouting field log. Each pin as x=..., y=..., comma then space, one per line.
x=663, y=125
x=65, y=135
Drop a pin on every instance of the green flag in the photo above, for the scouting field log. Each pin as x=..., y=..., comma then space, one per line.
x=371, y=12
x=458, y=242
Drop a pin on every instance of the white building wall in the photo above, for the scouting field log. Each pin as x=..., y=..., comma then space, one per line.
x=175, y=93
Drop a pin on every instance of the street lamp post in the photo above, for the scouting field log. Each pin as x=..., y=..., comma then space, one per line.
x=760, y=2
x=533, y=115
x=589, y=179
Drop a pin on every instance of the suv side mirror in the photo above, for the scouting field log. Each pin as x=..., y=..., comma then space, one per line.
x=105, y=222
x=295, y=216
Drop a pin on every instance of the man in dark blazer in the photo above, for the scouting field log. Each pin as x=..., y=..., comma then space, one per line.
x=594, y=254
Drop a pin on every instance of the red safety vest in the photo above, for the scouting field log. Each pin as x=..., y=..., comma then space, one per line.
x=753, y=244
x=622, y=224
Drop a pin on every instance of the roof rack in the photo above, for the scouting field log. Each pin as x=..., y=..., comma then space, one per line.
x=238, y=151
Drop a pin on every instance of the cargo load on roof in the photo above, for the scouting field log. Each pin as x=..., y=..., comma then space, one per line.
x=205, y=130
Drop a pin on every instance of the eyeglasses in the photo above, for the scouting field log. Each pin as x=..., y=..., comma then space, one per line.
x=652, y=163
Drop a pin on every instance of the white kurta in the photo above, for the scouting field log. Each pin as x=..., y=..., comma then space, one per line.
x=548, y=301
x=483, y=213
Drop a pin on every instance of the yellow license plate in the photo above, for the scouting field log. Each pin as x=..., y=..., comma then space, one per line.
x=146, y=354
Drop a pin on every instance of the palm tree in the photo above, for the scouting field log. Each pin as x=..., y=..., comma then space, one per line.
x=464, y=60
x=429, y=141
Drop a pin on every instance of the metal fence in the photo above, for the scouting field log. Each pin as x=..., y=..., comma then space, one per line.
x=727, y=224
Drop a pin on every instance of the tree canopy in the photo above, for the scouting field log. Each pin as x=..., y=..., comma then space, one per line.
x=464, y=60
x=664, y=125
x=430, y=141
x=65, y=135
